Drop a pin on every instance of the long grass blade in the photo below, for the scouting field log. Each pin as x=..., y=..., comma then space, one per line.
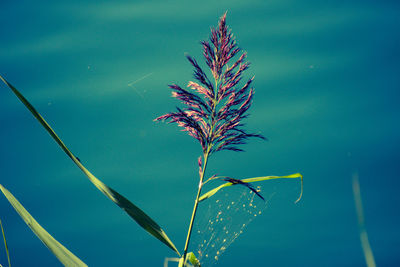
x=368, y=255
x=256, y=179
x=133, y=211
x=5, y=244
x=63, y=254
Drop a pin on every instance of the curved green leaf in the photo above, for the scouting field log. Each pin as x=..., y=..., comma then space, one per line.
x=213, y=191
x=64, y=255
x=256, y=179
x=137, y=214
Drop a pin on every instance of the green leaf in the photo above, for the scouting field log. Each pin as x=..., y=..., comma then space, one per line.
x=256, y=179
x=137, y=214
x=193, y=260
x=64, y=255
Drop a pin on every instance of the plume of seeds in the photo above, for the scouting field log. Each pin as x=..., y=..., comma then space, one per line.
x=214, y=112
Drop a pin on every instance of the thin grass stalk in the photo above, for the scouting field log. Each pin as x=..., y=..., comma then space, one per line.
x=206, y=154
x=196, y=203
x=366, y=247
x=5, y=244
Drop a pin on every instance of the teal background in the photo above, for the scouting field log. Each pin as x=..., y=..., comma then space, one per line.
x=327, y=97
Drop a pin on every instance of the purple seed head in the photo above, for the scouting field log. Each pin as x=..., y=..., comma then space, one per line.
x=214, y=111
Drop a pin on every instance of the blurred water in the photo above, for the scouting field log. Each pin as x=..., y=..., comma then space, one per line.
x=327, y=92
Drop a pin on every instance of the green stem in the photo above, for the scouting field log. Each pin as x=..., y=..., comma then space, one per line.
x=196, y=203
x=206, y=154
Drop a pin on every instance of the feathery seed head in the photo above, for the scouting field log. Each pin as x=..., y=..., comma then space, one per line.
x=214, y=111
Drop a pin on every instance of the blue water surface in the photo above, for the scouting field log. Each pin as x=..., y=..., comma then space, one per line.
x=327, y=98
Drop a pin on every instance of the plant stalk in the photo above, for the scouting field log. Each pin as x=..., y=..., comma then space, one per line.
x=196, y=203
x=5, y=245
x=206, y=154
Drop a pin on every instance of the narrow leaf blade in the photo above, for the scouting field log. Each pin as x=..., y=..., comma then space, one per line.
x=133, y=211
x=65, y=256
x=213, y=191
x=256, y=179
x=5, y=244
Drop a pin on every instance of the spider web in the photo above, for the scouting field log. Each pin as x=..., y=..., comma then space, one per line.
x=222, y=218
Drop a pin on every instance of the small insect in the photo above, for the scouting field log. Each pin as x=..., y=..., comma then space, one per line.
x=249, y=186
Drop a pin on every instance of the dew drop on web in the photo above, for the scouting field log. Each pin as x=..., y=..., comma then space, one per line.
x=221, y=220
